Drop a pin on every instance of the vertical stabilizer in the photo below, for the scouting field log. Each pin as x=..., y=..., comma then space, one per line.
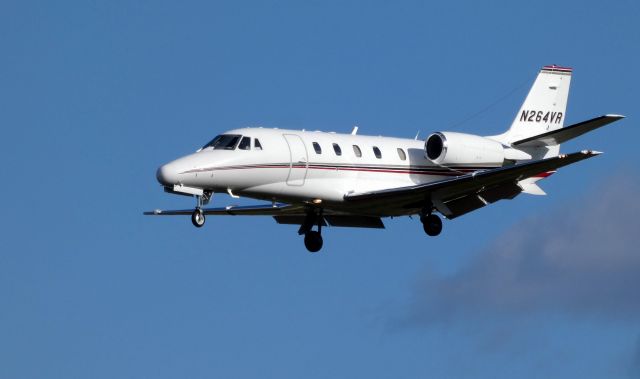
x=545, y=107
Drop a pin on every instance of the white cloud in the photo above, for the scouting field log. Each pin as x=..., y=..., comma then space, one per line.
x=583, y=260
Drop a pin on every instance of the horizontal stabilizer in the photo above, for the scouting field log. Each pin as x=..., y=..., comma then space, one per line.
x=556, y=137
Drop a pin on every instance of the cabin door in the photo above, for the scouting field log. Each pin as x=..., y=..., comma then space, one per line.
x=298, y=160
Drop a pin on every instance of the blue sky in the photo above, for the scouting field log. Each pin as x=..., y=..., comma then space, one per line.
x=96, y=95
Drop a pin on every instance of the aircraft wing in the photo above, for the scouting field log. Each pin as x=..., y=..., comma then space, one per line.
x=462, y=194
x=556, y=137
x=233, y=210
x=282, y=213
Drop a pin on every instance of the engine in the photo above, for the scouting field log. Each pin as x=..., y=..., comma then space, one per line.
x=449, y=148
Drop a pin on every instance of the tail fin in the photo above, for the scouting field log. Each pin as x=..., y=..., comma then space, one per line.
x=545, y=107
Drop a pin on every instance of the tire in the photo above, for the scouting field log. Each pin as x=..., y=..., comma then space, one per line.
x=197, y=218
x=432, y=225
x=313, y=241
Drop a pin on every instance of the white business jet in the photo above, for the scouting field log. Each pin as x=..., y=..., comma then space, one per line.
x=314, y=179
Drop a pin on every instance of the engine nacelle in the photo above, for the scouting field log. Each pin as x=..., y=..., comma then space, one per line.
x=449, y=148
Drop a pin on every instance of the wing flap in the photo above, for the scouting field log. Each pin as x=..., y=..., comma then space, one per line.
x=335, y=220
x=355, y=221
x=501, y=192
x=293, y=219
x=461, y=205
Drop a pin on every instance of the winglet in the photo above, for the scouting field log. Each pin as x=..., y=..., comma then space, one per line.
x=529, y=186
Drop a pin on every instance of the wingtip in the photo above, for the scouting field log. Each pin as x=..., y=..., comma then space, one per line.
x=616, y=116
x=587, y=153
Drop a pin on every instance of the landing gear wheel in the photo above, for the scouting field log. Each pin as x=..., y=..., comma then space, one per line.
x=432, y=224
x=313, y=241
x=197, y=218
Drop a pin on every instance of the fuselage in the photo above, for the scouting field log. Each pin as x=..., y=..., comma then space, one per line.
x=304, y=166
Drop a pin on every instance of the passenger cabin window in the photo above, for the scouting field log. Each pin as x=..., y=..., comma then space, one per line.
x=337, y=149
x=402, y=155
x=245, y=143
x=256, y=144
x=377, y=152
x=317, y=148
x=223, y=142
x=357, y=151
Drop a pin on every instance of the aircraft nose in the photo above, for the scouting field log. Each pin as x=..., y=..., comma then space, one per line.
x=166, y=175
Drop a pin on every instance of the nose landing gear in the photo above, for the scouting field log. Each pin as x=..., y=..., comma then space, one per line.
x=197, y=217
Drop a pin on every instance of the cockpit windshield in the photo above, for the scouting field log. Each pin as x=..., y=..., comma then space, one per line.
x=223, y=142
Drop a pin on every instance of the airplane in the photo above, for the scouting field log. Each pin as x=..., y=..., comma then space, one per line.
x=314, y=178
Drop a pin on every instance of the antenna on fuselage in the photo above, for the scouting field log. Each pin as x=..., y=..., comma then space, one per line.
x=416, y=137
x=355, y=130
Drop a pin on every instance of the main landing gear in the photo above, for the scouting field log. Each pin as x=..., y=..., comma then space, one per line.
x=313, y=241
x=197, y=217
x=431, y=223
x=312, y=238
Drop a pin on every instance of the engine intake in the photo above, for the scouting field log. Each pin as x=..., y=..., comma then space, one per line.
x=449, y=148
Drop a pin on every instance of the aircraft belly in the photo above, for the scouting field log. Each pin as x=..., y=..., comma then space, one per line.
x=329, y=189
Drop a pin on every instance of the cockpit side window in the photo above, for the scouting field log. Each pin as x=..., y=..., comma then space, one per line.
x=224, y=142
x=245, y=143
x=256, y=144
x=212, y=142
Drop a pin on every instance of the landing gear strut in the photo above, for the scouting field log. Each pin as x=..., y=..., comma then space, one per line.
x=432, y=224
x=312, y=238
x=197, y=217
